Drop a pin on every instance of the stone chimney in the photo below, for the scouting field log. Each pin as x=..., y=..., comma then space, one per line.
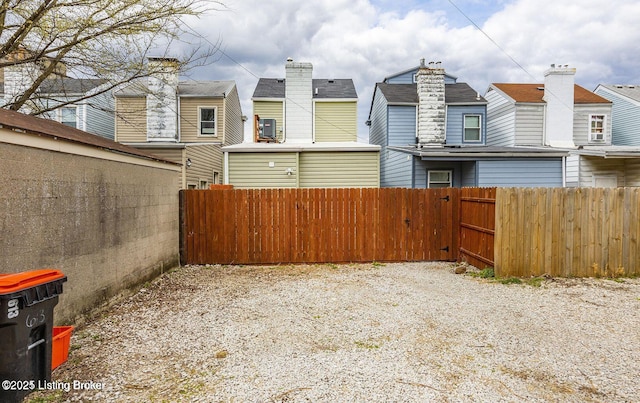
x=559, y=88
x=431, y=107
x=162, y=99
x=298, y=102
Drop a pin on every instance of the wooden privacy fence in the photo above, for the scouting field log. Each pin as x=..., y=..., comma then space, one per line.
x=581, y=232
x=245, y=226
x=477, y=226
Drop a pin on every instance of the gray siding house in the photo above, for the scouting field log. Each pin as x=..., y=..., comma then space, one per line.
x=625, y=113
x=85, y=104
x=434, y=133
x=562, y=117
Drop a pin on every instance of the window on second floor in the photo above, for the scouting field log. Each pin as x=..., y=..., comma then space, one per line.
x=207, y=121
x=596, y=128
x=472, y=128
x=68, y=115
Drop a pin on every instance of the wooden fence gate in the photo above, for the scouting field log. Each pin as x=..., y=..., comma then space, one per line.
x=268, y=226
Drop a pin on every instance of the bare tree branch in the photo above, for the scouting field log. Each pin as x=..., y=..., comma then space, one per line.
x=107, y=39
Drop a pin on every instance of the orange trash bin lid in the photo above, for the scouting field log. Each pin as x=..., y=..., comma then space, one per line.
x=13, y=282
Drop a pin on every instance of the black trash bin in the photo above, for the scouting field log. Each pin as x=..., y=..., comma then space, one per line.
x=27, y=300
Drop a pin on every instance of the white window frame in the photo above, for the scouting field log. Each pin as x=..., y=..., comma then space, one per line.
x=464, y=128
x=215, y=121
x=59, y=115
x=449, y=182
x=593, y=136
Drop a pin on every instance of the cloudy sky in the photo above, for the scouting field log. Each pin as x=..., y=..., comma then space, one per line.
x=368, y=40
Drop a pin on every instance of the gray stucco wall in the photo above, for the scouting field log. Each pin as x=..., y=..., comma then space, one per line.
x=107, y=225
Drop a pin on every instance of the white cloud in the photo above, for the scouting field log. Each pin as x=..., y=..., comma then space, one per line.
x=367, y=42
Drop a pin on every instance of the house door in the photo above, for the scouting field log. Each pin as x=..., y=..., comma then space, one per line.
x=605, y=180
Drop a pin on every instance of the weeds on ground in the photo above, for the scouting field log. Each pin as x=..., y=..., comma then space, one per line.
x=489, y=274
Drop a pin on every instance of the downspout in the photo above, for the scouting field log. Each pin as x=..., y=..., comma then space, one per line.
x=564, y=171
x=313, y=126
x=544, y=125
x=179, y=134
x=225, y=175
x=298, y=169
x=224, y=108
x=446, y=112
x=284, y=123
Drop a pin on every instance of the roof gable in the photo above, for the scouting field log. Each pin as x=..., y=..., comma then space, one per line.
x=533, y=93
x=414, y=70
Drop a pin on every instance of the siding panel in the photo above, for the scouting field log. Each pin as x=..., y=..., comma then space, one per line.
x=520, y=173
x=189, y=119
x=455, y=122
x=529, y=125
x=251, y=170
x=131, y=120
x=335, y=121
x=581, y=123
x=269, y=110
x=205, y=160
x=234, y=125
x=396, y=169
x=592, y=165
x=339, y=169
x=500, y=120
x=402, y=125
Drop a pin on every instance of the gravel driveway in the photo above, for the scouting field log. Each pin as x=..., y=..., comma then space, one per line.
x=324, y=333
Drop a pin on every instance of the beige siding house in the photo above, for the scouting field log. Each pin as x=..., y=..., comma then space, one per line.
x=305, y=133
x=187, y=122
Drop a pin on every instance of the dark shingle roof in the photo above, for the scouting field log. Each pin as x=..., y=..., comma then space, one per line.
x=326, y=88
x=459, y=93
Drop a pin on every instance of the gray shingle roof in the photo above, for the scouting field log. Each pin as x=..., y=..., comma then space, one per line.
x=629, y=91
x=459, y=93
x=208, y=88
x=67, y=85
x=326, y=88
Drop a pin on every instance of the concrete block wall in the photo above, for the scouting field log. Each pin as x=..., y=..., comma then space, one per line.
x=107, y=225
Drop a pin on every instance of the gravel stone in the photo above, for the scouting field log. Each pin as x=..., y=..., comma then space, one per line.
x=401, y=332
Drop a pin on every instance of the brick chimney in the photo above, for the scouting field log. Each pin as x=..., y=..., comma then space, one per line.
x=162, y=99
x=559, y=83
x=298, y=102
x=431, y=107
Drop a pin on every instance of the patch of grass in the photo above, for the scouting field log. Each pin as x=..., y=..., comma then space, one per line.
x=332, y=266
x=535, y=281
x=377, y=264
x=510, y=280
x=366, y=344
x=487, y=272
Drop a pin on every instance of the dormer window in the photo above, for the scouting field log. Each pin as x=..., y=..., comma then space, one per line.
x=596, y=128
x=68, y=115
x=472, y=128
x=207, y=121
